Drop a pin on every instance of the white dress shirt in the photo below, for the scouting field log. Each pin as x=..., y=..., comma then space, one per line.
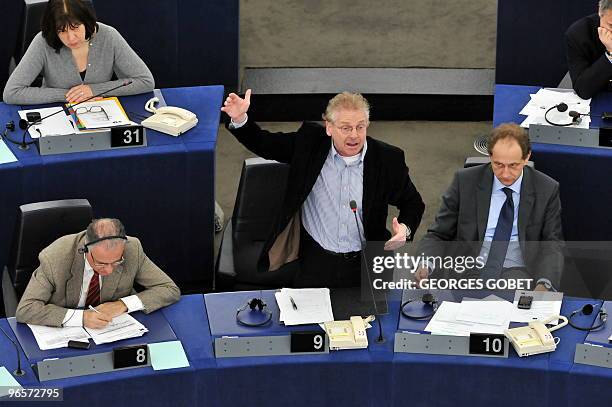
x=74, y=317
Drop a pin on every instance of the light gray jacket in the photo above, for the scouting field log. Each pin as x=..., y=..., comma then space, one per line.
x=108, y=53
x=55, y=286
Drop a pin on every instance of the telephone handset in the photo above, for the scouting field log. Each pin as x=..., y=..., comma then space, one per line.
x=348, y=334
x=534, y=338
x=168, y=119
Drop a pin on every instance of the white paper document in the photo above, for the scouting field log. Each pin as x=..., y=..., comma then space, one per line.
x=58, y=125
x=53, y=338
x=544, y=305
x=101, y=114
x=491, y=310
x=449, y=319
x=544, y=99
x=313, y=306
x=445, y=322
x=122, y=327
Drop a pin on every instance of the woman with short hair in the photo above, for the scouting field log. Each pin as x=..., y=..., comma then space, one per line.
x=77, y=57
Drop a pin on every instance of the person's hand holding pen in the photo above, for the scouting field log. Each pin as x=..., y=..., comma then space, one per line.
x=92, y=318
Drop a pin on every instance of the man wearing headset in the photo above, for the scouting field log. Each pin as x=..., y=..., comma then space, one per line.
x=87, y=279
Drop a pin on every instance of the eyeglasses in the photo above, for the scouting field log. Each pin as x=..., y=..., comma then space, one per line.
x=348, y=130
x=100, y=265
x=91, y=109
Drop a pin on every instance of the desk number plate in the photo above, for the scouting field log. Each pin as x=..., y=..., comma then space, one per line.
x=130, y=356
x=127, y=136
x=307, y=341
x=487, y=344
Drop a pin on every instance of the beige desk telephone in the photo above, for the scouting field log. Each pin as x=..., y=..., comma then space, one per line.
x=348, y=334
x=167, y=119
x=534, y=338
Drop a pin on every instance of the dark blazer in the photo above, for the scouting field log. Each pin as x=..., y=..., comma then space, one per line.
x=385, y=178
x=589, y=68
x=464, y=213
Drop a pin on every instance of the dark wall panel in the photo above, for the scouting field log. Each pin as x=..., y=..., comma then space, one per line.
x=530, y=39
x=184, y=42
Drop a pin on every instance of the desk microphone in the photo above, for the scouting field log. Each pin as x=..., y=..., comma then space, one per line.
x=25, y=124
x=353, y=205
x=18, y=371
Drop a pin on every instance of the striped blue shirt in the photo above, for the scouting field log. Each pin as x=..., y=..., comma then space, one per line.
x=326, y=213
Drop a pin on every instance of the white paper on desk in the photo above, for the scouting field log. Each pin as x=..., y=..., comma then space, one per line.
x=445, y=322
x=111, y=116
x=550, y=97
x=122, y=327
x=544, y=305
x=491, y=310
x=48, y=337
x=58, y=125
x=313, y=306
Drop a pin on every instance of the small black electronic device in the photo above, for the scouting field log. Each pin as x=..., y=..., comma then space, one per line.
x=525, y=301
x=78, y=345
x=33, y=117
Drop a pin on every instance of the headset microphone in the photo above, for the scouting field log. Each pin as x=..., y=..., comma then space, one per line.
x=85, y=248
x=587, y=309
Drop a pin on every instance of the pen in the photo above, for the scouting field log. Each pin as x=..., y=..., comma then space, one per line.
x=293, y=304
x=96, y=311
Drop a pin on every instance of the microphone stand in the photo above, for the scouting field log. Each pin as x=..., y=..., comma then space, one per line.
x=19, y=371
x=23, y=124
x=381, y=338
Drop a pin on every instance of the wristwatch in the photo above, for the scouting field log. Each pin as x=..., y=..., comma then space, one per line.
x=546, y=283
x=408, y=231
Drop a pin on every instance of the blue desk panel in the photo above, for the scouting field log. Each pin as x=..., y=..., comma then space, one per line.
x=164, y=193
x=159, y=331
x=372, y=377
x=581, y=171
x=340, y=378
x=140, y=386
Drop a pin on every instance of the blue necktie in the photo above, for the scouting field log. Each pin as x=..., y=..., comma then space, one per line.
x=501, y=238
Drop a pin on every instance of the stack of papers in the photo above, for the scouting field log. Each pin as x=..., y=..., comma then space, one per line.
x=99, y=114
x=122, y=327
x=544, y=99
x=84, y=118
x=58, y=125
x=53, y=338
x=492, y=314
x=313, y=306
x=489, y=315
